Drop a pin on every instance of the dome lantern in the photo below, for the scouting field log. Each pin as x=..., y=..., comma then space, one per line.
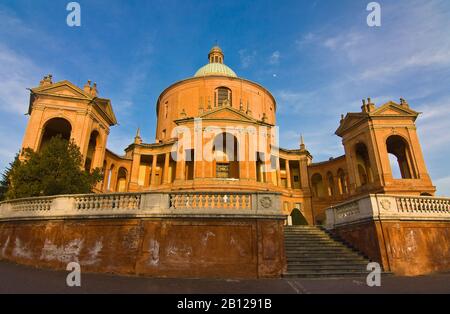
x=215, y=55
x=215, y=67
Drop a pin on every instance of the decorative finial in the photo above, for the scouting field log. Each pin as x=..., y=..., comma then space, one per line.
x=403, y=102
x=87, y=87
x=94, y=91
x=302, y=142
x=47, y=80
x=137, y=138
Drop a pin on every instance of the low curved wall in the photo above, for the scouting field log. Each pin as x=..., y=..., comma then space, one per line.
x=181, y=239
x=408, y=235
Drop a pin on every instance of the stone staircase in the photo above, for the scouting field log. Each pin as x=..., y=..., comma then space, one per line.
x=313, y=253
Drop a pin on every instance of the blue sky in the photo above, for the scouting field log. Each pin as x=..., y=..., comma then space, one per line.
x=318, y=58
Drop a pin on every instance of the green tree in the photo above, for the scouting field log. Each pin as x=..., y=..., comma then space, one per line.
x=55, y=169
x=5, y=182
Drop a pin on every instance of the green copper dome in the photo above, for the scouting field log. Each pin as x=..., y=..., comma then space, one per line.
x=215, y=69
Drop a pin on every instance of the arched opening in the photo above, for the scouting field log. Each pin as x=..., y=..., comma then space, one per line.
x=109, y=180
x=399, y=158
x=330, y=181
x=317, y=185
x=226, y=156
x=90, y=154
x=342, y=182
x=54, y=127
x=121, y=180
x=222, y=97
x=365, y=175
x=297, y=218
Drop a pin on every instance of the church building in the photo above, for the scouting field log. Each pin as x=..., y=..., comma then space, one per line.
x=217, y=131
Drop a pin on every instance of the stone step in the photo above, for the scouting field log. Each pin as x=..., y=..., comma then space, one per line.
x=294, y=246
x=311, y=240
x=319, y=259
x=313, y=253
x=355, y=263
x=328, y=252
x=312, y=249
x=351, y=268
x=329, y=255
x=309, y=236
x=305, y=232
x=328, y=274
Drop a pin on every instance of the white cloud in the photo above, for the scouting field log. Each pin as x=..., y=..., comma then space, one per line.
x=275, y=58
x=18, y=72
x=306, y=40
x=247, y=58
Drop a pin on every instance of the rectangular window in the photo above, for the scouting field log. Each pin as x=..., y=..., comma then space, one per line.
x=222, y=170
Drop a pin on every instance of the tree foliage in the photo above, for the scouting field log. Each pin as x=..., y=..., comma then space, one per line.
x=5, y=182
x=55, y=169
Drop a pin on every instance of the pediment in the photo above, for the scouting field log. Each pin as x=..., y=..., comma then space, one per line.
x=106, y=107
x=226, y=113
x=350, y=120
x=391, y=109
x=63, y=88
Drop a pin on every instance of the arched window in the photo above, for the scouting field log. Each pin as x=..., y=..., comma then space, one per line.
x=121, y=180
x=90, y=154
x=342, y=182
x=222, y=97
x=365, y=175
x=331, y=189
x=317, y=185
x=399, y=158
x=226, y=156
x=54, y=127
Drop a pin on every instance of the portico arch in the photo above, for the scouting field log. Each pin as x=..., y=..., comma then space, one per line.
x=55, y=127
x=94, y=140
x=363, y=166
x=400, y=157
x=122, y=177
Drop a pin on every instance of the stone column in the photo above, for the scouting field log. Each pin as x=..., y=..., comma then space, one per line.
x=304, y=180
x=134, y=175
x=181, y=165
x=166, y=168
x=34, y=131
x=288, y=174
x=278, y=171
x=153, y=175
